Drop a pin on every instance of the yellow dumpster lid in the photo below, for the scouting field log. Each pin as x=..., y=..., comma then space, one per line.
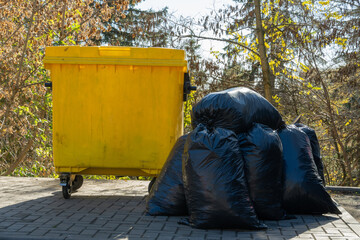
x=115, y=56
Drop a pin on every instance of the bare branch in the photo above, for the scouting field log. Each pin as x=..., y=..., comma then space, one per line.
x=220, y=40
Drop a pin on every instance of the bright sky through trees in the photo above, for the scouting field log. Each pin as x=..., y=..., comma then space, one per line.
x=192, y=8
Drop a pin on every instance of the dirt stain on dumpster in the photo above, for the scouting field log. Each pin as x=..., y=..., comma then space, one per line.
x=59, y=138
x=104, y=150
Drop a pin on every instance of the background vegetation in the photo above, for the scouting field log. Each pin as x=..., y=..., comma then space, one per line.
x=302, y=55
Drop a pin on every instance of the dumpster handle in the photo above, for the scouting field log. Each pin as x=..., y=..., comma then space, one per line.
x=48, y=85
x=187, y=86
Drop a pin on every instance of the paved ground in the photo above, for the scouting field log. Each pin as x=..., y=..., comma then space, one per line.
x=33, y=208
x=351, y=203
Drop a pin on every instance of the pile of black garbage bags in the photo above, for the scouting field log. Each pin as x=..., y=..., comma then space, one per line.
x=241, y=163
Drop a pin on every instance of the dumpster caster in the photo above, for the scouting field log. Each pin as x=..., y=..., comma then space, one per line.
x=77, y=183
x=151, y=184
x=66, y=182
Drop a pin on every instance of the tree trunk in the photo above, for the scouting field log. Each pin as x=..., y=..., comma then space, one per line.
x=333, y=127
x=20, y=158
x=62, y=34
x=268, y=78
x=341, y=162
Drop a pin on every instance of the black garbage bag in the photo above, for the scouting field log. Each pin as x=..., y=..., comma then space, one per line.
x=167, y=197
x=214, y=181
x=315, y=148
x=235, y=109
x=262, y=151
x=304, y=192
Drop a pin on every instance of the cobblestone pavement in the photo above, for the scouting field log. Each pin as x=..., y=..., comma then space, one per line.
x=33, y=208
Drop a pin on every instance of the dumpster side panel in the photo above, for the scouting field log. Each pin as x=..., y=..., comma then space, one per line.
x=115, y=116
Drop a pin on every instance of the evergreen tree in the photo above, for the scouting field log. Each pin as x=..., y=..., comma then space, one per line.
x=137, y=28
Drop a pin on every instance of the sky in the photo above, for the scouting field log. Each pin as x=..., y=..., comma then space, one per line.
x=189, y=8
x=192, y=8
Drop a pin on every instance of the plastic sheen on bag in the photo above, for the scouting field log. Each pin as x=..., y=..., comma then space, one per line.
x=315, y=148
x=304, y=192
x=214, y=181
x=262, y=151
x=235, y=109
x=167, y=197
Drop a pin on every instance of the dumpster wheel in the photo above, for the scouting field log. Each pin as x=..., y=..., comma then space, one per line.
x=66, y=191
x=77, y=183
x=151, y=184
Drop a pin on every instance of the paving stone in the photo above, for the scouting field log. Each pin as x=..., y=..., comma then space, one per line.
x=156, y=226
x=89, y=232
x=76, y=228
x=273, y=232
x=211, y=238
x=6, y=224
x=15, y=227
x=40, y=232
x=169, y=229
x=276, y=238
x=355, y=228
x=149, y=234
x=350, y=235
x=197, y=234
x=165, y=237
x=285, y=224
x=74, y=237
x=50, y=235
x=243, y=235
x=319, y=229
x=139, y=232
x=228, y=233
x=102, y=235
x=332, y=230
x=261, y=238
x=306, y=236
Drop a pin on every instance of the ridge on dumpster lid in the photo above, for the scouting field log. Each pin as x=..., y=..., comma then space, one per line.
x=116, y=56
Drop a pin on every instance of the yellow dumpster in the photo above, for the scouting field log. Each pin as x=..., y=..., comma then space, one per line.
x=116, y=110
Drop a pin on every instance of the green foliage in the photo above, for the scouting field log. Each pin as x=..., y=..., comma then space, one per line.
x=137, y=28
x=36, y=169
x=188, y=108
x=112, y=177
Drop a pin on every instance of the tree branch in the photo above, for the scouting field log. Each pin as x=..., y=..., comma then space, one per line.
x=220, y=40
x=20, y=158
x=21, y=64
